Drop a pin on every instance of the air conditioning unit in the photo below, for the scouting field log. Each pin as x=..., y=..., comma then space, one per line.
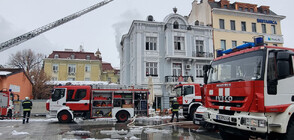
x=72, y=73
x=188, y=66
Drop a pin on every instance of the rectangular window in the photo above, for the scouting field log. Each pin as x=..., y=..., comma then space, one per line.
x=71, y=69
x=179, y=43
x=199, y=70
x=223, y=44
x=55, y=68
x=151, y=43
x=221, y=23
x=177, y=69
x=263, y=28
x=54, y=78
x=199, y=48
x=246, y=10
x=273, y=29
x=151, y=69
x=275, y=44
x=251, y=10
x=234, y=43
x=71, y=79
x=233, y=25
x=243, y=26
x=87, y=68
x=240, y=8
x=253, y=27
x=87, y=79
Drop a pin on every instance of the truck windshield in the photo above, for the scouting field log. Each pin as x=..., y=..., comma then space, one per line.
x=243, y=67
x=58, y=94
x=178, y=91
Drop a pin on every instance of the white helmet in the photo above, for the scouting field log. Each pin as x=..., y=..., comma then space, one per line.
x=27, y=98
x=175, y=99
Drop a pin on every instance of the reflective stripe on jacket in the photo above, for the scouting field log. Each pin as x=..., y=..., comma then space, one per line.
x=175, y=106
x=27, y=105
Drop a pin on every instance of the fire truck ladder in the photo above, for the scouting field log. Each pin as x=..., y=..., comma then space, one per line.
x=22, y=38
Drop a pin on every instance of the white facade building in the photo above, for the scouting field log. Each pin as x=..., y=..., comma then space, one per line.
x=168, y=51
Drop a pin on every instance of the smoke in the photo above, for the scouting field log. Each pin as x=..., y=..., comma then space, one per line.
x=122, y=27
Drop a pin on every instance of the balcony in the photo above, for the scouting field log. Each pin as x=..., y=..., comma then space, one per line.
x=202, y=54
x=170, y=79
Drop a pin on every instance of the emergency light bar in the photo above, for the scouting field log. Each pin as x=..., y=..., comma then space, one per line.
x=258, y=41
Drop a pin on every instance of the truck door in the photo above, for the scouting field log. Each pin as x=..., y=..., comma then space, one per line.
x=3, y=103
x=58, y=98
x=78, y=99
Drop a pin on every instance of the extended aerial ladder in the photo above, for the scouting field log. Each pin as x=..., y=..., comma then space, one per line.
x=22, y=38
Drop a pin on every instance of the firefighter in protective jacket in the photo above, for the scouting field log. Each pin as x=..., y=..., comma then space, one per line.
x=27, y=106
x=175, y=109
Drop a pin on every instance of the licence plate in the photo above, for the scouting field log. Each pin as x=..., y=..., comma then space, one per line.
x=223, y=118
x=197, y=122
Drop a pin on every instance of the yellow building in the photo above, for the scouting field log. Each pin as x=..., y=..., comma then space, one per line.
x=109, y=73
x=237, y=23
x=69, y=65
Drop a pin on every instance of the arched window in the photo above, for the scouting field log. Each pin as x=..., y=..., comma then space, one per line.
x=176, y=25
x=56, y=56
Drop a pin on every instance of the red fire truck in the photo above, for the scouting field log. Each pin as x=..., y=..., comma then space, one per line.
x=189, y=97
x=6, y=104
x=69, y=102
x=249, y=92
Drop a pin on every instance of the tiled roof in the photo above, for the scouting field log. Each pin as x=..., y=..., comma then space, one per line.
x=106, y=66
x=232, y=7
x=77, y=55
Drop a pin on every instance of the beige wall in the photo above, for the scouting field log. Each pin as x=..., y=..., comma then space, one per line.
x=238, y=35
x=80, y=75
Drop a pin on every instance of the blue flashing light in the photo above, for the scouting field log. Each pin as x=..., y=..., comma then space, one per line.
x=247, y=45
x=259, y=41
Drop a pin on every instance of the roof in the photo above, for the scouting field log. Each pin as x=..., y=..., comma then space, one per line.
x=77, y=55
x=106, y=66
x=5, y=72
x=231, y=6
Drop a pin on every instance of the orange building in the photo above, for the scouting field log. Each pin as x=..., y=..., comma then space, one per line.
x=17, y=81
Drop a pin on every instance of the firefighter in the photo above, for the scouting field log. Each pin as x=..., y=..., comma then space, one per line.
x=175, y=109
x=27, y=106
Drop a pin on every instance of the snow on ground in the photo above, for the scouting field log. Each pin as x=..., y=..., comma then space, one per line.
x=31, y=120
x=14, y=132
x=134, y=138
x=78, y=132
x=152, y=130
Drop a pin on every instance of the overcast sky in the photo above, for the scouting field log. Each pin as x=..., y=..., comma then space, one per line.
x=101, y=28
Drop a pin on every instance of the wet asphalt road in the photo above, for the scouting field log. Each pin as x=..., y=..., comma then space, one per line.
x=154, y=129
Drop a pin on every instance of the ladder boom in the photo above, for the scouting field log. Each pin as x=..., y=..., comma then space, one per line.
x=22, y=38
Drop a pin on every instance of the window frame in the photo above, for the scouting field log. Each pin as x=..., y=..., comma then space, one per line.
x=221, y=23
x=151, y=43
x=263, y=28
x=253, y=26
x=233, y=25
x=223, y=44
x=243, y=26
x=179, y=43
x=151, y=69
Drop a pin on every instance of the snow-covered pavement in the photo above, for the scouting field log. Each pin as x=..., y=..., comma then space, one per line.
x=157, y=127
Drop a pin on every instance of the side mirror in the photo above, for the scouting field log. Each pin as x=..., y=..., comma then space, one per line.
x=205, y=75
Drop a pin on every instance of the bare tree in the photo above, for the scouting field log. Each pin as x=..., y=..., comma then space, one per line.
x=26, y=59
x=32, y=64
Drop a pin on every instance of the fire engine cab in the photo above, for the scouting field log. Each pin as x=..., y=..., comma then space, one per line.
x=6, y=103
x=97, y=101
x=189, y=97
x=249, y=91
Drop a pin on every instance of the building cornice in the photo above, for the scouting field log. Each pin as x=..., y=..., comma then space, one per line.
x=249, y=14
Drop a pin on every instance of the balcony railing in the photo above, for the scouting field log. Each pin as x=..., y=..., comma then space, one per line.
x=177, y=79
x=202, y=54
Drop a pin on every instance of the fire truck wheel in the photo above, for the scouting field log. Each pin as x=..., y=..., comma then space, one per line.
x=122, y=116
x=290, y=130
x=229, y=136
x=192, y=111
x=9, y=113
x=64, y=117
